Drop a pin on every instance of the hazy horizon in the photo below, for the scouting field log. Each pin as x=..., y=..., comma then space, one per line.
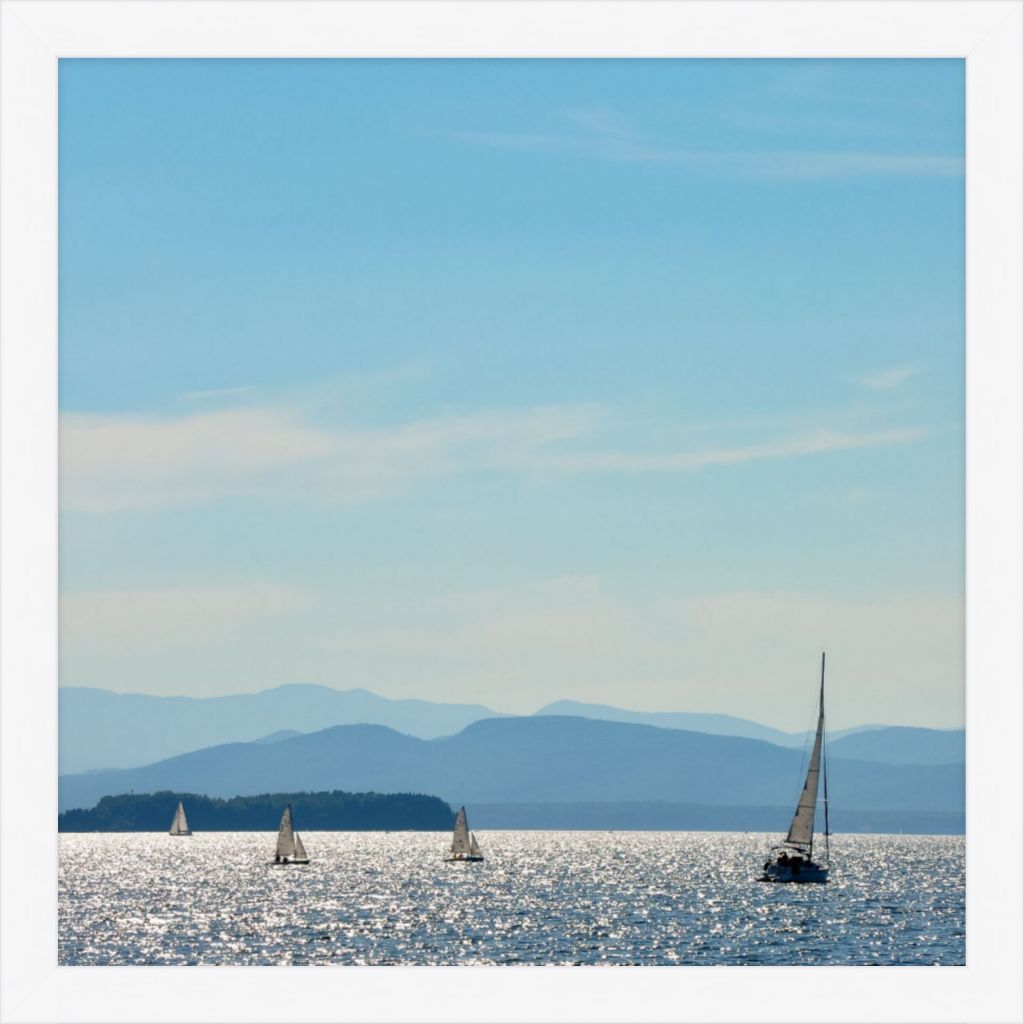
x=797, y=729
x=507, y=382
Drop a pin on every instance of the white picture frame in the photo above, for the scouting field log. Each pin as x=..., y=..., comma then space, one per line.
x=36, y=33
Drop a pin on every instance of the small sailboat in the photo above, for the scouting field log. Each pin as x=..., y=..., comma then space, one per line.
x=792, y=860
x=289, y=846
x=464, y=845
x=179, y=827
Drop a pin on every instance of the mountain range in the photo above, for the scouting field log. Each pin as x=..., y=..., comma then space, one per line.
x=100, y=729
x=539, y=759
x=716, y=725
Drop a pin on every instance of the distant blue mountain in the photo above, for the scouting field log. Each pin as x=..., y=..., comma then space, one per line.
x=716, y=725
x=281, y=734
x=102, y=729
x=900, y=744
x=545, y=758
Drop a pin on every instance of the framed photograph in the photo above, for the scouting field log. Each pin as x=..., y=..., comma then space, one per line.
x=490, y=487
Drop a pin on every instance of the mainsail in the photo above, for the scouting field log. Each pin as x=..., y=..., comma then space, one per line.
x=460, y=841
x=300, y=850
x=285, y=835
x=179, y=827
x=801, y=831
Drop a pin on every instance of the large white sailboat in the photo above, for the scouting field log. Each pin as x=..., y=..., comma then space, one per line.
x=289, y=845
x=464, y=844
x=179, y=827
x=793, y=860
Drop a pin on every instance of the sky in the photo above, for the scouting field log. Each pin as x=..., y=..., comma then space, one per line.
x=510, y=381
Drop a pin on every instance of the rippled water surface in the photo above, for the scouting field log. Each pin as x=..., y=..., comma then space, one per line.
x=539, y=898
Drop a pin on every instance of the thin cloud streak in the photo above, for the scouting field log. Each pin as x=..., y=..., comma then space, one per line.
x=218, y=394
x=818, y=443
x=886, y=380
x=117, y=463
x=605, y=134
x=762, y=165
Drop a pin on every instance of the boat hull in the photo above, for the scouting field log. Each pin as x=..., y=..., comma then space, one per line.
x=287, y=863
x=805, y=873
x=463, y=860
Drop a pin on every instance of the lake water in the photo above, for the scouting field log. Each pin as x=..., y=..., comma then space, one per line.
x=539, y=898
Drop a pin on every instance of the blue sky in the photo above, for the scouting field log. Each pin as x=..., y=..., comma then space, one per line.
x=510, y=381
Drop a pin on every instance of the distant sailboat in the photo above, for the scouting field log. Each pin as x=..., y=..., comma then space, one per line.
x=464, y=845
x=792, y=861
x=289, y=846
x=179, y=827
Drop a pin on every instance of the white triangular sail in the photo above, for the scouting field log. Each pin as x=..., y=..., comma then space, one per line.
x=285, y=835
x=460, y=840
x=179, y=827
x=801, y=831
x=300, y=850
x=474, y=849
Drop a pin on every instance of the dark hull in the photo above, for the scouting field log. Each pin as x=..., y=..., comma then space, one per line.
x=463, y=860
x=808, y=874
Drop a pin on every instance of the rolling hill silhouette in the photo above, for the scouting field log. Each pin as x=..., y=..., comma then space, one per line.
x=100, y=729
x=545, y=759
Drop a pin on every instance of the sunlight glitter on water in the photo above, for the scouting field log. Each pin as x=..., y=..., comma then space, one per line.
x=539, y=898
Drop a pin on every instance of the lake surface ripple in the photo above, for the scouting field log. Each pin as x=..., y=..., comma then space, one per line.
x=539, y=898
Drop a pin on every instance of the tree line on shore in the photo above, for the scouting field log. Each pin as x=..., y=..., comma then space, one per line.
x=323, y=811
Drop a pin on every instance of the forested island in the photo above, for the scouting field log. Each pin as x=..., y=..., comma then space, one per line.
x=327, y=811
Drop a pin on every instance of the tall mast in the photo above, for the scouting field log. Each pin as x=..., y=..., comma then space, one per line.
x=825, y=765
x=821, y=729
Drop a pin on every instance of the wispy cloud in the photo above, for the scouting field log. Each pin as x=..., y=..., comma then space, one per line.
x=218, y=394
x=114, y=463
x=886, y=380
x=819, y=442
x=605, y=135
x=111, y=463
